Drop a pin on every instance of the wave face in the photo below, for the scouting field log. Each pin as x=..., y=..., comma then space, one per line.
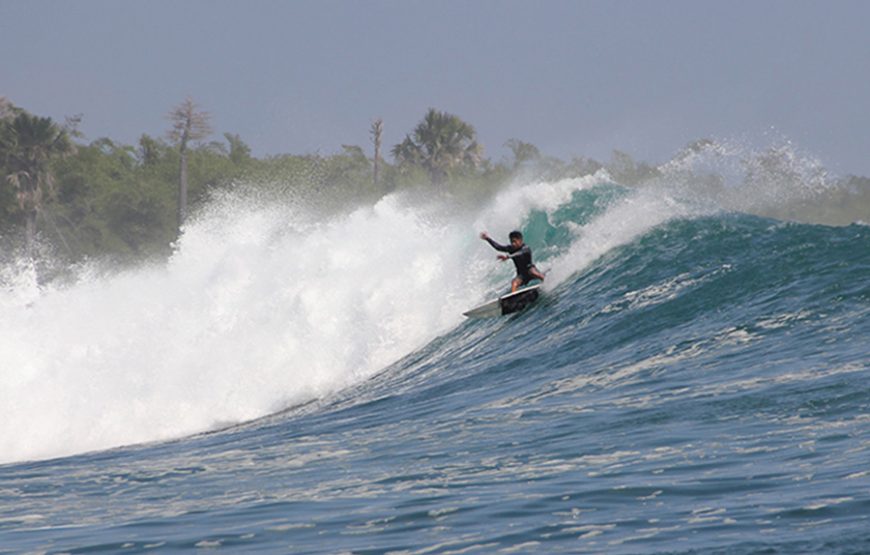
x=692, y=380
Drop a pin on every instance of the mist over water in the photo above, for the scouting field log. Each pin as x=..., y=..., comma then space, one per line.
x=731, y=175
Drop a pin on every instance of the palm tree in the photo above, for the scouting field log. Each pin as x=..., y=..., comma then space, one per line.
x=440, y=143
x=523, y=152
x=6, y=108
x=29, y=144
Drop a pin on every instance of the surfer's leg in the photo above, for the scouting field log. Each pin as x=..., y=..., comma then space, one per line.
x=537, y=274
x=515, y=284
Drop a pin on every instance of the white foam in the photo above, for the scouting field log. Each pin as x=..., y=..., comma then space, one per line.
x=260, y=307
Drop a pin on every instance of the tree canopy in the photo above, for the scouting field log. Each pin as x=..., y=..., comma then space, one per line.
x=441, y=143
x=29, y=143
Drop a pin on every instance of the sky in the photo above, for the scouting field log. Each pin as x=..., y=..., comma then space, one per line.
x=575, y=78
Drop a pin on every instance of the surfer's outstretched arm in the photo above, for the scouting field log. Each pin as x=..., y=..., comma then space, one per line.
x=503, y=248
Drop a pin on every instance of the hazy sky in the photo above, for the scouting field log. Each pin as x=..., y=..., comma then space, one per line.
x=574, y=78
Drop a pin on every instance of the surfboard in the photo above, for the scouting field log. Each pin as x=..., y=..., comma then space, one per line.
x=506, y=304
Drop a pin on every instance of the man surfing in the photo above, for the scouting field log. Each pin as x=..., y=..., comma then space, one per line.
x=521, y=254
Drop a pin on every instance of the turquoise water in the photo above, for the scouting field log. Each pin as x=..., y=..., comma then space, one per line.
x=693, y=384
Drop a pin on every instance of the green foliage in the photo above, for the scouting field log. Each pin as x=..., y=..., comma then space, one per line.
x=105, y=199
x=441, y=144
x=28, y=145
x=239, y=153
x=8, y=202
x=331, y=182
x=118, y=200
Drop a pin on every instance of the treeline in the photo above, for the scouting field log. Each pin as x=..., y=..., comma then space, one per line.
x=103, y=198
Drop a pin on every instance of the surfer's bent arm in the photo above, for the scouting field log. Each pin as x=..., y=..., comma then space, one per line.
x=521, y=251
x=524, y=250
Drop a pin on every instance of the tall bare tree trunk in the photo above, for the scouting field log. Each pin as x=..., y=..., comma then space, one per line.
x=182, y=189
x=29, y=199
x=30, y=231
x=377, y=132
x=188, y=124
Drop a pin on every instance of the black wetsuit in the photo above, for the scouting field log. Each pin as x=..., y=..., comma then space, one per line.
x=521, y=256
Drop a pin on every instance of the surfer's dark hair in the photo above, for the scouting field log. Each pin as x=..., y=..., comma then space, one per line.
x=515, y=235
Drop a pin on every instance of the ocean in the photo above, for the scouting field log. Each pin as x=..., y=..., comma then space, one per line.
x=693, y=379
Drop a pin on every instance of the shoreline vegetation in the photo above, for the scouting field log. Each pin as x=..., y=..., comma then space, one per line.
x=75, y=199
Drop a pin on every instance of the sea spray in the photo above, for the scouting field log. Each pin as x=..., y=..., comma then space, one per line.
x=778, y=181
x=259, y=308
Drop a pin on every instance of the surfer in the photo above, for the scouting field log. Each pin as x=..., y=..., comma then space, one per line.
x=521, y=254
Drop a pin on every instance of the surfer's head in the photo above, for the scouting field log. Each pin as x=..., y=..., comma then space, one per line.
x=516, y=238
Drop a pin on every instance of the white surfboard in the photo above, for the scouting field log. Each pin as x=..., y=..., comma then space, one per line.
x=506, y=304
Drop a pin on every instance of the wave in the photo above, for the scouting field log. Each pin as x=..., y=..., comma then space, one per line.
x=262, y=306
x=269, y=305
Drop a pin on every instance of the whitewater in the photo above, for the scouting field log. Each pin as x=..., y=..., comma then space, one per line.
x=694, y=379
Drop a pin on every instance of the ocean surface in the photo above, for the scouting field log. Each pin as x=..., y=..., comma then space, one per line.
x=694, y=379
